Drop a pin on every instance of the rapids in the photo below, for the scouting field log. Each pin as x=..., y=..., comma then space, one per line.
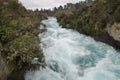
x=70, y=55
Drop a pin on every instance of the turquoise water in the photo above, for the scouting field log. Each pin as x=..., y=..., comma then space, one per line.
x=70, y=55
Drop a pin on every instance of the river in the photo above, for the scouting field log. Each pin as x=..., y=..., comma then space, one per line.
x=70, y=55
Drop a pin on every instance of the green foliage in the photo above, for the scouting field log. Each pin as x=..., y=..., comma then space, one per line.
x=91, y=17
x=19, y=42
x=22, y=50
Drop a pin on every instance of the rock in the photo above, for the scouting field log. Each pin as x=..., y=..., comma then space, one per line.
x=106, y=38
x=42, y=27
x=114, y=31
x=110, y=36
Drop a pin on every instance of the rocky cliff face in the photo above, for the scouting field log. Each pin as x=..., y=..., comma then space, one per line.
x=114, y=34
x=114, y=31
x=106, y=38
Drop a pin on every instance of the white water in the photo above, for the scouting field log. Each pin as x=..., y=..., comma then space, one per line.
x=73, y=56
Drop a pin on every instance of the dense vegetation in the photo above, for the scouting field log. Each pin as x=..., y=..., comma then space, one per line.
x=19, y=42
x=90, y=17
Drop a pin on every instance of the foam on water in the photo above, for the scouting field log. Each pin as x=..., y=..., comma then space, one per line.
x=73, y=56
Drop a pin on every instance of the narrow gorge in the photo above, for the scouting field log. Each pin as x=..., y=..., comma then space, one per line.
x=70, y=55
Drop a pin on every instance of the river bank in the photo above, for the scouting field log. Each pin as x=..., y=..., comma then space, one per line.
x=98, y=19
x=70, y=55
x=106, y=38
x=19, y=41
